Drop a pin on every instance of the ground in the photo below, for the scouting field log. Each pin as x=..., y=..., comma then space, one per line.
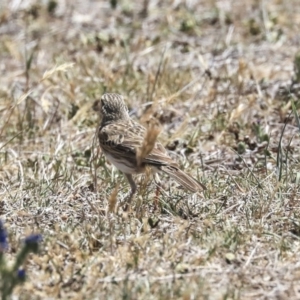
x=222, y=77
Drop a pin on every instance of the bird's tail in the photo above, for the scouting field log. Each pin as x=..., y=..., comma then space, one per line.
x=183, y=179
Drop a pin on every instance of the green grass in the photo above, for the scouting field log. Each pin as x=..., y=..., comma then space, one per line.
x=221, y=82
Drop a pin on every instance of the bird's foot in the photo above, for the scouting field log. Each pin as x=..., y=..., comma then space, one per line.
x=126, y=202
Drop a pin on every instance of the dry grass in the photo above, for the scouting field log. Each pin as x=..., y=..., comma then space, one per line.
x=218, y=76
x=149, y=141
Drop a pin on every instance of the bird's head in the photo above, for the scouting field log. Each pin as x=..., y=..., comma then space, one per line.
x=113, y=108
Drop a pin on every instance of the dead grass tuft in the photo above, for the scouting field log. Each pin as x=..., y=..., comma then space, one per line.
x=149, y=141
x=113, y=199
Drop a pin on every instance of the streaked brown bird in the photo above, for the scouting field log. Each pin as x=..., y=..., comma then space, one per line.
x=132, y=148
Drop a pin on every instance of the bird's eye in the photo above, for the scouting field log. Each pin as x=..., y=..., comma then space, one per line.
x=104, y=105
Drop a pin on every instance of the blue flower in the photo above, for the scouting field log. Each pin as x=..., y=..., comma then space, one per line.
x=21, y=274
x=32, y=243
x=33, y=239
x=3, y=237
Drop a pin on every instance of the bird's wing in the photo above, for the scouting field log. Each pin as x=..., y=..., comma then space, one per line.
x=115, y=138
x=158, y=157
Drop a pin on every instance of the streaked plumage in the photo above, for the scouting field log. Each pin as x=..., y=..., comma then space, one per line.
x=120, y=137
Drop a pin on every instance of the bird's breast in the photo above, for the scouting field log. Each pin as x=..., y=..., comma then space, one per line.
x=124, y=165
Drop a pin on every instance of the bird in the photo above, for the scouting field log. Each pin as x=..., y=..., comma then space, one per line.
x=132, y=148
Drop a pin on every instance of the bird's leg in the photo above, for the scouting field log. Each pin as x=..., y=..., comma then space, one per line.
x=133, y=191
